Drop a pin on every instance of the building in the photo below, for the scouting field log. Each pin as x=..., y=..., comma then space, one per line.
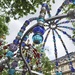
x=64, y=64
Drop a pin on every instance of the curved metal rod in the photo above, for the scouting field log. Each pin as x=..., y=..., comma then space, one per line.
x=71, y=28
x=65, y=22
x=57, y=17
x=55, y=49
x=62, y=43
x=52, y=18
x=21, y=49
x=46, y=38
x=57, y=21
x=64, y=32
x=65, y=49
x=69, y=36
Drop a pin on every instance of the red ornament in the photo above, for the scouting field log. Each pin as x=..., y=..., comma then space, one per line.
x=38, y=55
x=1, y=69
x=1, y=56
x=5, y=47
x=4, y=53
x=37, y=63
x=8, y=45
x=35, y=52
x=34, y=56
x=0, y=43
x=30, y=58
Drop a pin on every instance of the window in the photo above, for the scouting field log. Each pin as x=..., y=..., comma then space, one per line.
x=62, y=68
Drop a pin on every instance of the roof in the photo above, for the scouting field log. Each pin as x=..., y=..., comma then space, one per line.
x=65, y=57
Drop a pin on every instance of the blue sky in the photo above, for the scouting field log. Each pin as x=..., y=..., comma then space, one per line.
x=15, y=25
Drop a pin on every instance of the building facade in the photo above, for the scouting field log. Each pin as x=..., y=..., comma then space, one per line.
x=64, y=64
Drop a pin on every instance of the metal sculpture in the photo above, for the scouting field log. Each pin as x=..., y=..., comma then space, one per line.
x=21, y=50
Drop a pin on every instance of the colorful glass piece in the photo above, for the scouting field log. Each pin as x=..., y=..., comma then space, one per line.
x=44, y=5
x=12, y=47
x=11, y=71
x=23, y=44
x=25, y=38
x=28, y=60
x=16, y=41
x=23, y=27
x=14, y=64
x=40, y=19
x=27, y=22
x=9, y=54
x=20, y=34
x=37, y=38
x=39, y=29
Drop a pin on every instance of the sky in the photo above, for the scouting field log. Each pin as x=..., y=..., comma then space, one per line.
x=15, y=25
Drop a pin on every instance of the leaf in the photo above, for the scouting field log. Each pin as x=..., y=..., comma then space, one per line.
x=7, y=19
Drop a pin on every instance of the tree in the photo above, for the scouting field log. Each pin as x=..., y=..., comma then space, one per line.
x=16, y=9
x=19, y=8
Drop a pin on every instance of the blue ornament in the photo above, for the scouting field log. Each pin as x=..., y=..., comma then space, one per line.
x=11, y=71
x=16, y=41
x=73, y=1
x=14, y=64
x=73, y=39
x=23, y=44
x=25, y=38
x=56, y=63
x=37, y=38
x=58, y=11
x=45, y=5
x=39, y=29
x=66, y=2
x=70, y=63
x=70, y=0
x=9, y=54
x=72, y=69
x=57, y=73
x=27, y=22
x=42, y=50
x=12, y=47
x=20, y=34
x=23, y=27
x=41, y=19
x=60, y=73
x=64, y=32
x=28, y=60
x=54, y=37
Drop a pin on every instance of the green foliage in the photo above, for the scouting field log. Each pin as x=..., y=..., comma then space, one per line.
x=74, y=30
x=68, y=7
x=19, y=8
x=47, y=66
x=3, y=27
x=65, y=10
x=5, y=72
